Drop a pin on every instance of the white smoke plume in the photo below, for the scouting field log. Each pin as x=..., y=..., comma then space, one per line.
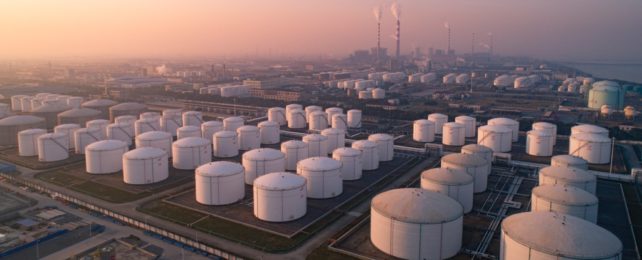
x=395, y=9
x=484, y=45
x=446, y=25
x=376, y=11
x=393, y=36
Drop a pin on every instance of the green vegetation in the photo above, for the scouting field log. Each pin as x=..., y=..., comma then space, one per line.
x=90, y=188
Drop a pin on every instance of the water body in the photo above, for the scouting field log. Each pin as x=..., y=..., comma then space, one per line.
x=625, y=72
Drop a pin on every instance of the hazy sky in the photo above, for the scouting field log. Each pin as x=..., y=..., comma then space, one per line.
x=561, y=29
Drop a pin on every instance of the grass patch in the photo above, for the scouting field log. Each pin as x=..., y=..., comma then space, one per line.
x=170, y=212
x=59, y=178
x=107, y=193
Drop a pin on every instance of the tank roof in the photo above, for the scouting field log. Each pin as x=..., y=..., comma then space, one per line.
x=128, y=106
x=219, y=169
x=106, y=145
x=332, y=131
x=247, y=128
x=437, y=115
x=142, y=153
x=33, y=131
x=565, y=194
x=294, y=144
x=364, y=144
x=153, y=135
x=423, y=122
x=567, y=173
x=380, y=137
x=476, y=148
x=49, y=108
x=189, y=128
x=568, y=159
x=464, y=159
x=99, y=103
x=464, y=118
x=502, y=121
x=80, y=112
x=591, y=137
x=543, y=125
x=212, y=123
x=20, y=120
x=67, y=126
x=415, y=205
x=346, y=151
x=314, y=137
x=587, y=128
x=539, y=133
x=279, y=181
x=447, y=176
x=319, y=164
x=191, y=142
x=454, y=125
x=495, y=128
x=233, y=119
x=225, y=133
x=263, y=154
x=561, y=235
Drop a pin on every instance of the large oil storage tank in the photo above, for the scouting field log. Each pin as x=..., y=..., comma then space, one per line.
x=539, y=143
x=332, y=111
x=317, y=145
x=565, y=199
x=351, y=162
x=323, y=177
x=565, y=160
x=259, y=162
x=354, y=118
x=122, y=132
x=249, y=137
x=318, y=120
x=453, y=134
x=497, y=138
x=453, y=183
x=142, y=126
x=150, y=115
x=385, y=146
x=470, y=125
x=568, y=176
x=209, y=128
x=16, y=102
x=413, y=223
x=479, y=150
x=606, y=93
x=508, y=123
x=270, y=132
x=277, y=114
x=99, y=124
x=158, y=139
x=219, y=183
x=101, y=105
x=128, y=108
x=188, y=131
x=225, y=144
x=335, y=138
x=129, y=120
x=104, y=157
x=593, y=148
x=49, y=111
x=551, y=235
x=84, y=137
x=28, y=141
x=232, y=123
x=75, y=102
x=378, y=93
x=439, y=120
x=292, y=107
x=294, y=152
x=51, y=147
x=423, y=131
x=170, y=123
x=589, y=129
x=309, y=109
x=145, y=165
x=549, y=128
x=10, y=126
x=279, y=197
x=340, y=121
x=296, y=118
x=68, y=129
x=462, y=78
x=503, y=81
x=449, y=78
x=474, y=165
x=369, y=154
x=193, y=118
x=79, y=116
x=427, y=78
x=190, y=152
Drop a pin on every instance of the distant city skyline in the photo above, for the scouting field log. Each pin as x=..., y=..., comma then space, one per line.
x=559, y=30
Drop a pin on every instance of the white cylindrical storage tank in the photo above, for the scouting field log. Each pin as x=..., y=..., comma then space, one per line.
x=142, y=126
x=190, y=152
x=128, y=108
x=52, y=147
x=99, y=124
x=508, y=123
x=593, y=148
x=565, y=160
x=270, y=132
x=318, y=120
x=340, y=121
x=547, y=128
x=354, y=118
x=225, y=144
x=497, y=138
x=249, y=137
x=317, y=145
x=449, y=78
x=10, y=126
x=364, y=94
x=173, y=112
x=539, y=143
x=385, y=146
x=188, y=131
x=330, y=112
x=568, y=176
x=127, y=119
x=122, y=132
x=292, y=107
x=589, y=129
x=310, y=109
x=209, y=128
x=413, y=223
x=564, y=199
x=296, y=118
x=474, y=165
x=323, y=177
x=259, y=162
x=279, y=197
x=104, y=157
x=453, y=134
x=158, y=139
x=439, y=120
x=369, y=154
x=378, y=93
x=335, y=138
x=452, y=183
x=423, y=131
x=479, y=150
x=219, y=183
x=170, y=123
x=232, y=123
x=16, y=104
x=145, y=165
x=551, y=235
x=28, y=141
x=193, y=118
x=150, y=115
x=75, y=102
x=84, y=137
x=351, y=162
x=277, y=114
x=68, y=129
x=294, y=151
x=470, y=124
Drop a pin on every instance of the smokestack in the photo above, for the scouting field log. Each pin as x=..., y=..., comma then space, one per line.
x=376, y=11
x=472, y=49
x=398, y=34
x=448, y=28
x=396, y=12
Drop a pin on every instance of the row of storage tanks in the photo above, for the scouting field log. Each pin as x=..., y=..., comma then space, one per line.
x=427, y=222
x=295, y=116
x=518, y=82
x=364, y=88
x=225, y=90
